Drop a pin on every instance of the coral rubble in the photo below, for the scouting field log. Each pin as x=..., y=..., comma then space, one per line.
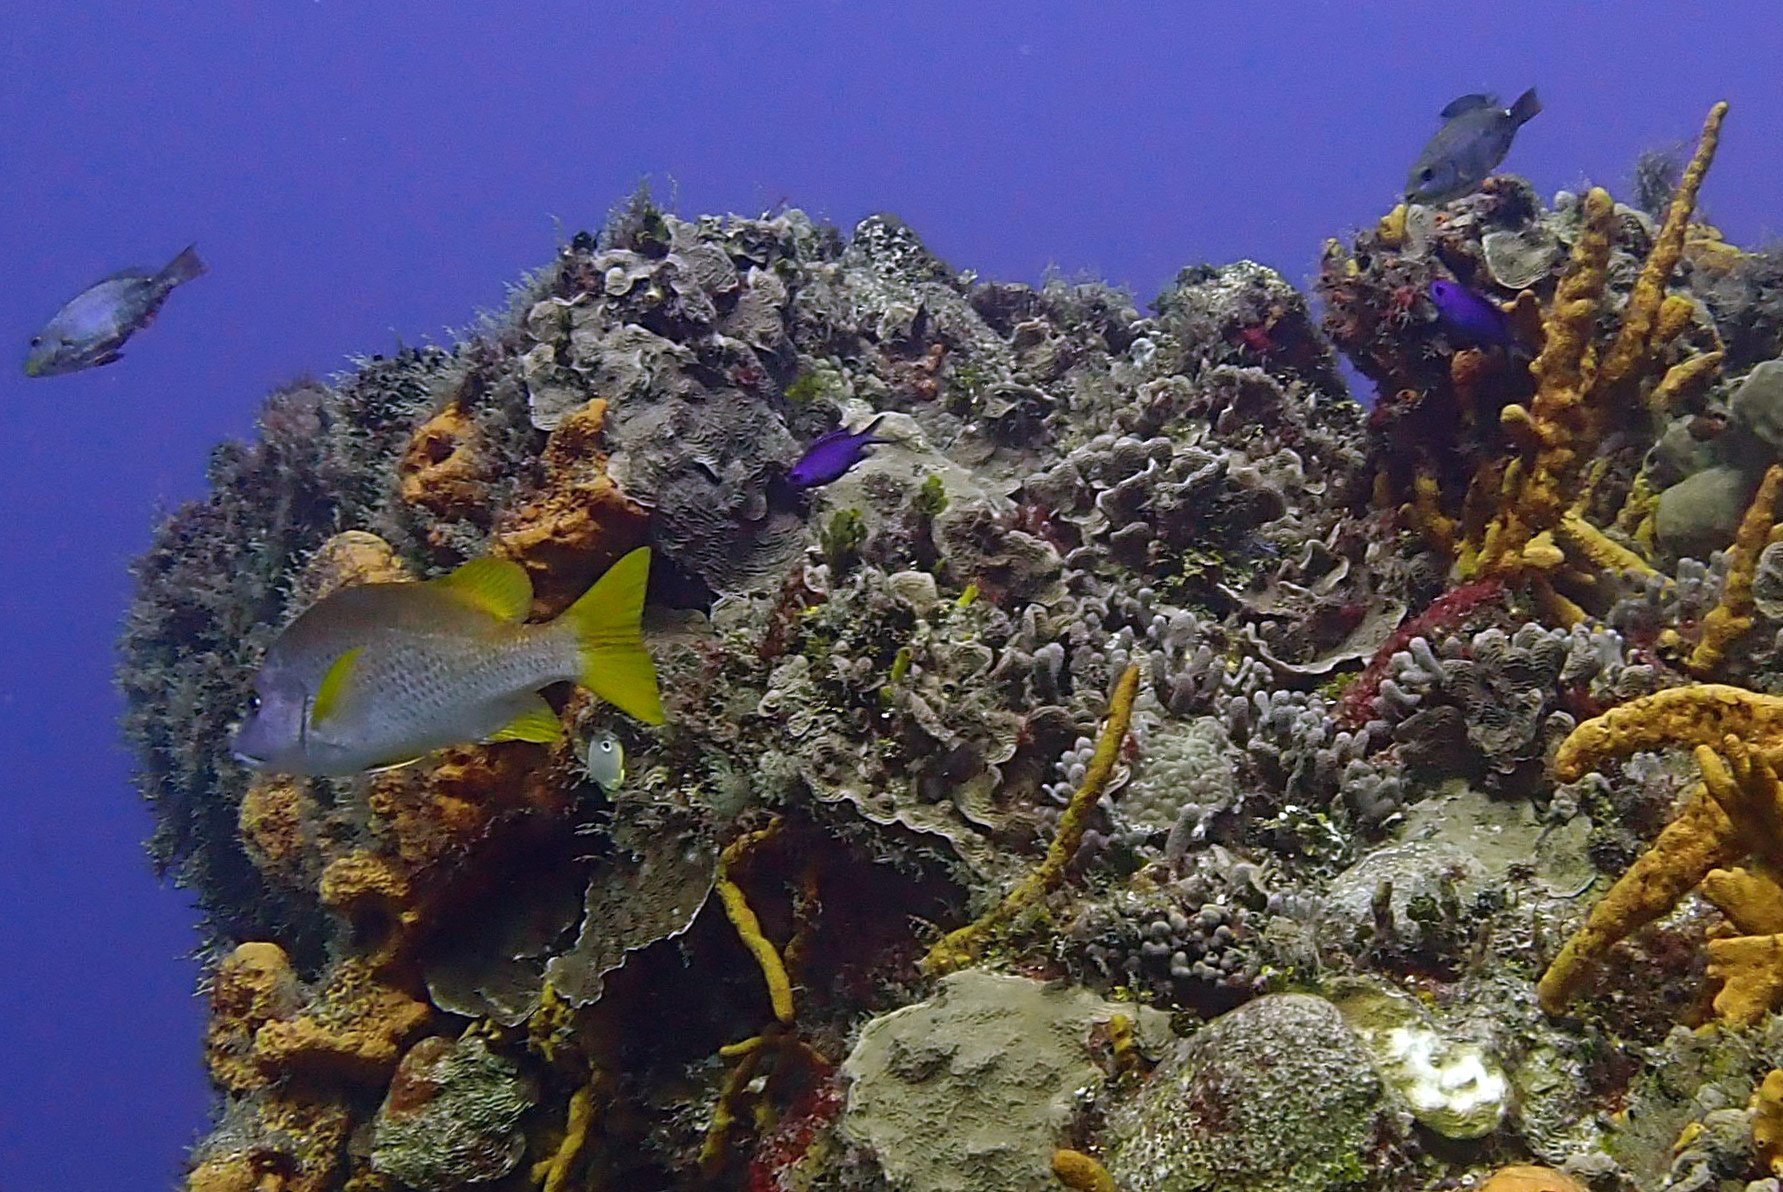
x=1149, y=769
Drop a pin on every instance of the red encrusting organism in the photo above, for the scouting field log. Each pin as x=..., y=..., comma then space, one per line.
x=1446, y=611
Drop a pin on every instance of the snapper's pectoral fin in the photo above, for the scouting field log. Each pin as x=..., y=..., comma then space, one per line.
x=615, y=664
x=535, y=722
x=333, y=686
x=111, y=357
x=399, y=763
x=499, y=587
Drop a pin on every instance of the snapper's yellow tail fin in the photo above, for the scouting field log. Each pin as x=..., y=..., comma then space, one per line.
x=615, y=664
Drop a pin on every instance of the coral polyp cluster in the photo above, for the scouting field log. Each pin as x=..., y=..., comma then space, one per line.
x=1143, y=711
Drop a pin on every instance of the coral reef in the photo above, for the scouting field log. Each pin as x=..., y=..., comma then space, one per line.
x=968, y=1090
x=1277, y=1094
x=1150, y=766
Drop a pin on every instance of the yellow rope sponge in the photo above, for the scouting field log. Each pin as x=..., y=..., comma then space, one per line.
x=553, y=1174
x=959, y=948
x=1576, y=395
x=1598, y=548
x=1735, y=812
x=1698, y=840
x=736, y=906
x=1733, y=615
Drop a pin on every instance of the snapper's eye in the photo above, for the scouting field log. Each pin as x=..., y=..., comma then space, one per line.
x=1426, y=175
x=254, y=703
x=605, y=746
x=37, y=341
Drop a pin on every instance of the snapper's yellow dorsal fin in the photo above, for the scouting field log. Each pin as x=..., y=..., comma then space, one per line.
x=536, y=722
x=500, y=587
x=334, y=682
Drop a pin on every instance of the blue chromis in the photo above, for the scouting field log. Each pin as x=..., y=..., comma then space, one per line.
x=378, y=675
x=1475, y=136
x=830, y=455
x=92, y=326
x=1469, y=316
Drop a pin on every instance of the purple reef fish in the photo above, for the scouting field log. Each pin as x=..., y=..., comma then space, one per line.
x=92, y=326
x=1475, y=136
x=1469, y=316
x=830, y=455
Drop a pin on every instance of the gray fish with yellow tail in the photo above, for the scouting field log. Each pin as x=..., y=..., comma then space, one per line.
x=91, y=327
x=1475, y=136
x=379, y=675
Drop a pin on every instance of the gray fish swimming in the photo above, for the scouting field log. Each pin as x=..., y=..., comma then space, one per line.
x=1475, y=136
x=378, y=675
x=92, y=326
x=604, y=759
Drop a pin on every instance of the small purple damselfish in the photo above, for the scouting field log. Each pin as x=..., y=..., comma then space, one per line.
x=830, y=455
x=1470, y=316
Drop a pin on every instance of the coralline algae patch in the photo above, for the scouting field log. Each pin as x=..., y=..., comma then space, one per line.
x=1147, y=769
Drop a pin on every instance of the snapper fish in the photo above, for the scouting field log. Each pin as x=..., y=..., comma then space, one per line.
x=379, y=675
x=1475, y=136
x=92, y=327
x=830, y=455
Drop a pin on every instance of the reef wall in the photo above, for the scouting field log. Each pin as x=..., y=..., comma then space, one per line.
x=1145, y=711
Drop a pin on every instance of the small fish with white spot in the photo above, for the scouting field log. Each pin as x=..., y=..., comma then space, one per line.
x=604, y=759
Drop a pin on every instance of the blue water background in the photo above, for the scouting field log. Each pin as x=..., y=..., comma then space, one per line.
x=364, y=174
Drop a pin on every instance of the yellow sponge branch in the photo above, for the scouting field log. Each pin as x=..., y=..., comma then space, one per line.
x=959, y=948
x=1632, y=354
x=1699, y=714
x=736, y=906
x=1733, y=616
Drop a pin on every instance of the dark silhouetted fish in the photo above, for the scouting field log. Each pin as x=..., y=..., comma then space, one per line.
x=1475, y=136
x=91, y=328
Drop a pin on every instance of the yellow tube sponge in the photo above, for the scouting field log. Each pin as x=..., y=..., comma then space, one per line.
x=1767, y=1121
x=1081, y=1173
x=1697, y=714
x=1632, y=354
x=1698, y=840
x=1733, y=616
